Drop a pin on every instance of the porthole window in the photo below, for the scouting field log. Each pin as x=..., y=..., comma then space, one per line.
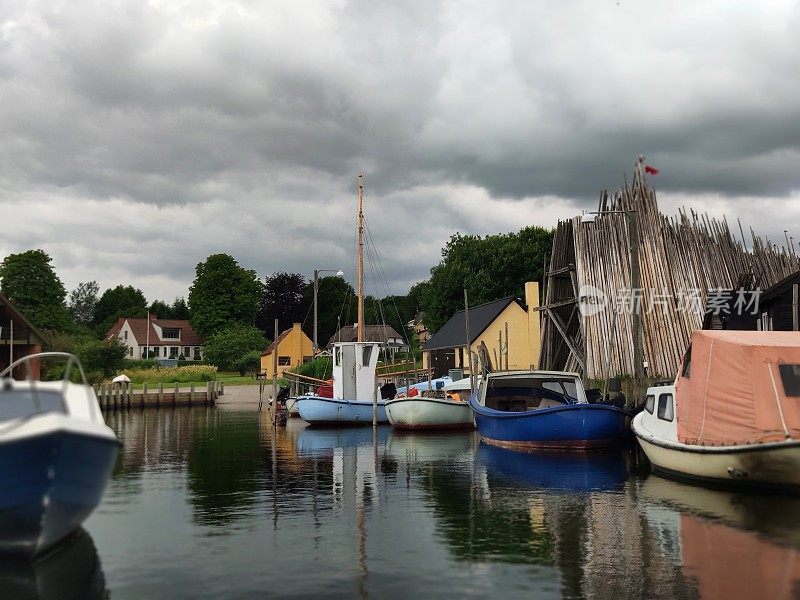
x=649, y=404
x=666, y=410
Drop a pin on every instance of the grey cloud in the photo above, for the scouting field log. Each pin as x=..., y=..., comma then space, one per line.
x=245, y=123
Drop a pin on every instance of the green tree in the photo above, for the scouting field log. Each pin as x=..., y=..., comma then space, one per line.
x=229, y=348
x=121, y=301
x=283, y=297
x=82, y=302
x=223, y=293
x=161, y=310
x=106, y=357
x=30, y=282
x=179, y=309
x=335, y=300
x=489, y=267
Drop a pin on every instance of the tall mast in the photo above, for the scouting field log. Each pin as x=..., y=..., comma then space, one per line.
x=360, y=337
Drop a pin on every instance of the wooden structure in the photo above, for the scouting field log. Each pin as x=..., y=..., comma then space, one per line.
x=588, y=313
x=18, y=338
x=118, y=396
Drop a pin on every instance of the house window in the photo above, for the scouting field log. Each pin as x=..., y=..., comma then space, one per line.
x=306, y=359
x=126, y=335
x=666, y=411
x=187, y=352
x=155, y=351
x=197, y=352
x=171, y=333
x=130, y=351
x=284, y=361
x=173, y=352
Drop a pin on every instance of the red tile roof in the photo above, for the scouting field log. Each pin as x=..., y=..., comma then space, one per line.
x=280, y=339
x=188, y=337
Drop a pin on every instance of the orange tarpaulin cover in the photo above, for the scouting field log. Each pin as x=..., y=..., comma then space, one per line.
x=734, y=393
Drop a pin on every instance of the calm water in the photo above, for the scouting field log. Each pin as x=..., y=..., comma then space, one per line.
x=205, y=503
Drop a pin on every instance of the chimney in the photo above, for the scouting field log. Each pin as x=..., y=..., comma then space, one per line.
x=534, y=322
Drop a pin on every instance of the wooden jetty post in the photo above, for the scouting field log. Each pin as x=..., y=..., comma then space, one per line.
x=273, y=404
x=143, y=403
x=175, y=396
x=160, y=393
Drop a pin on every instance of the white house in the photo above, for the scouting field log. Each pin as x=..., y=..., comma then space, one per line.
x=163, y=339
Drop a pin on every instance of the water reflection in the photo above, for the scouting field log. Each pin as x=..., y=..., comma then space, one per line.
x=71, y=570
x=340, y=512
x=575, y=471
x=731, y=544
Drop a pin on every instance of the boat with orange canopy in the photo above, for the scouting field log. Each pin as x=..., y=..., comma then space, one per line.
x=732, y=413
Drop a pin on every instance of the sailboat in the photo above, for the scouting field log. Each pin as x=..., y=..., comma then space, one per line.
x=355, y=391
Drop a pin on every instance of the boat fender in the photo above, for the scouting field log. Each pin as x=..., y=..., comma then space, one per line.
x=413, y=392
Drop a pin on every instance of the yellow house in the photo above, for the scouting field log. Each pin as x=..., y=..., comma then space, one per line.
x=510, y=329
x=294, y=348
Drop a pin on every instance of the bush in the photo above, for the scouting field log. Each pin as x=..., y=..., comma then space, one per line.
x=320, y=367
x=230, y=348
x=104, y=356
x=249, y=363
x=182, y=374
x=143, y=363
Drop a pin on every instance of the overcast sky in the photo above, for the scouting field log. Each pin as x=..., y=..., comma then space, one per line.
x=138, y=137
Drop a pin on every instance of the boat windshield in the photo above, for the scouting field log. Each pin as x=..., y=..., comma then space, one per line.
x=524, y=394
x=17, y=404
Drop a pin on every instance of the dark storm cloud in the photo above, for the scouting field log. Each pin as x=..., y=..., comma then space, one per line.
x=246, y=123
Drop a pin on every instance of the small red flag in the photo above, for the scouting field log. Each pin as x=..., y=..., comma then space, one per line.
x=650, y=170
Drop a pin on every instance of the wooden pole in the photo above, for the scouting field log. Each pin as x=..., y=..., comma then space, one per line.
x=506, y=325
x=360, y=335
x=469, y=340
x=274, y=412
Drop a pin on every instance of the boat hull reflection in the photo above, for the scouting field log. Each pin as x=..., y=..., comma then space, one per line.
x=602, y=470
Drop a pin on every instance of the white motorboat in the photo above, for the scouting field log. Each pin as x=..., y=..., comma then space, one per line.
x=56, y=456
x=732, y=415
x=443, y=408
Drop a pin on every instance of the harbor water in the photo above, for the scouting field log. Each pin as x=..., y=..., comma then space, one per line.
x=207, y=502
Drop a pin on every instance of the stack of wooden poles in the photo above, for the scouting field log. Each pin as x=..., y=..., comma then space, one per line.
x=681, y=259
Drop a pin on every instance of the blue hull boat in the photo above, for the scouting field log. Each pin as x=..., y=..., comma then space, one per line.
x=543, y=410
x=56, y=457
x=49, y=484
x=316, y=410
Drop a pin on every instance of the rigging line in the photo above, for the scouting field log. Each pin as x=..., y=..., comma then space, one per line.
x=386, y=280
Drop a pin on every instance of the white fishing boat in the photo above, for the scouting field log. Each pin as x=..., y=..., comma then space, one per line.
x=56, y=456
x=443, y=408
x=732, y=415
x=356, y=398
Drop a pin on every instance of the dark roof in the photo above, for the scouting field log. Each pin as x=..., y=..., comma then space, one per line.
x=138, y=325
x=372, y=333
x=453, y=334
x=18, y=316
x=279, y=340
x=781, y=287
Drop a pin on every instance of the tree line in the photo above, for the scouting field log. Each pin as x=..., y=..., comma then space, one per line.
x=233, y=310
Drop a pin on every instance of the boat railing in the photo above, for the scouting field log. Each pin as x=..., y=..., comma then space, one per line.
x=73, y=363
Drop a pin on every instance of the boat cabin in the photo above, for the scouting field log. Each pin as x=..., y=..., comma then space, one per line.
x=531, y=390
x=354, y=366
